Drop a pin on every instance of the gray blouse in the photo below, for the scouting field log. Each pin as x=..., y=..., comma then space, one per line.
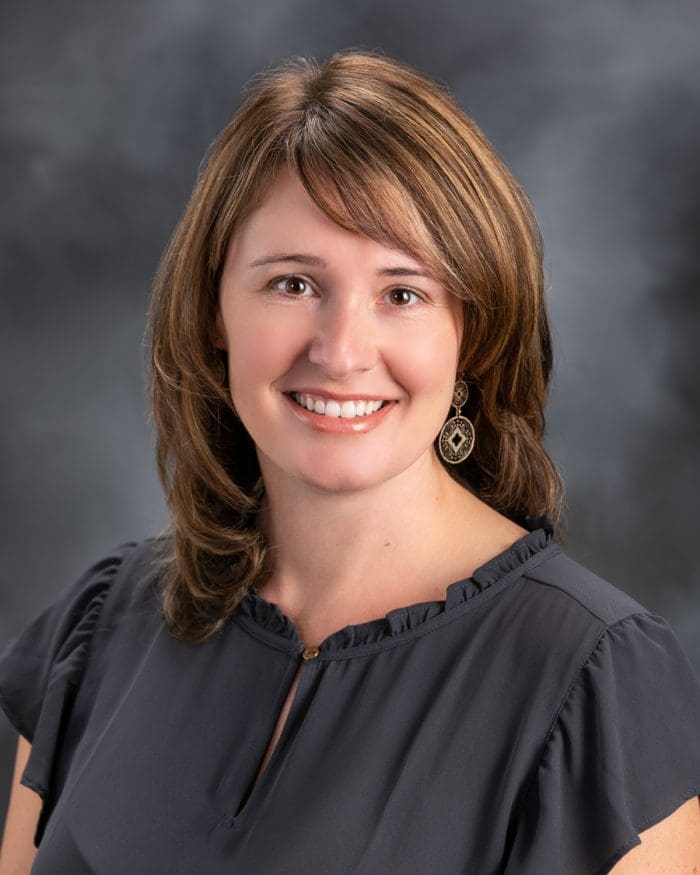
x=534, y=721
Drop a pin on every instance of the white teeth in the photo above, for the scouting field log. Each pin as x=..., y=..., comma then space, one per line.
x=345, y=409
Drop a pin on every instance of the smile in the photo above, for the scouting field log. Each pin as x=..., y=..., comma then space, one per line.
x=337, y=409
x=339, y=417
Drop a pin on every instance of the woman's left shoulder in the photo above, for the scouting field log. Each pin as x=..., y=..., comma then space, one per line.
x=572, y=618
x=621, y=752
x=567, y=579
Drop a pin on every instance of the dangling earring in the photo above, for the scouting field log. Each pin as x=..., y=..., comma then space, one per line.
x=456, y=439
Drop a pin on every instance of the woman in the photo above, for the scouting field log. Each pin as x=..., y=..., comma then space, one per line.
x=361, y=649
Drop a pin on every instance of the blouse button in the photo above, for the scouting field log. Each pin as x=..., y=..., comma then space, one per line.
x=310, y=653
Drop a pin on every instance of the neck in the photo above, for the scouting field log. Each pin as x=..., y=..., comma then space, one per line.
x=345, y=554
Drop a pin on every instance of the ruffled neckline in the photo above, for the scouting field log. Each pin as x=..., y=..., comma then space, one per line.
x=276, y=627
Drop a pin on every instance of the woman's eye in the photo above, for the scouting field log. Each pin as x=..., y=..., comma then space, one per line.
x=297, y=287
x=403, y=296
x=294, y=286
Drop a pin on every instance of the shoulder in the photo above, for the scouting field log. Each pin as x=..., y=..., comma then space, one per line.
x=598, y=628
x=614, y=667
x=119, y=597
x=119, y=590
x=619, y=702
x=561, y=578
x=135, y=571
x=83, y=645
x=572, y=632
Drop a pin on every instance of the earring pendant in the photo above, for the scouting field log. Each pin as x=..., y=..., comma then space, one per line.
x=456, y=439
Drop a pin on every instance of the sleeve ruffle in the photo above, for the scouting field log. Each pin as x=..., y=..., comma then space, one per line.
x=623, y=753
x=41, y=670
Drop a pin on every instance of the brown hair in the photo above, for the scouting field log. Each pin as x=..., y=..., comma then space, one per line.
x=387, y=153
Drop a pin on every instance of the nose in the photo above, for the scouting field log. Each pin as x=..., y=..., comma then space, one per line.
x=344, y=338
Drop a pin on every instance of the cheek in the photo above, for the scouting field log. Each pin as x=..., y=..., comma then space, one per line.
x=430, y=362
x=259, y=351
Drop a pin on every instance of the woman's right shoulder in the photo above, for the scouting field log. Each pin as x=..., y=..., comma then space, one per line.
x=123, y=583
x=116, y=601
x=85, y=644
x=131, y=574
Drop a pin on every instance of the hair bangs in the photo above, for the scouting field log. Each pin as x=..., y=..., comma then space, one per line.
x=363, y=193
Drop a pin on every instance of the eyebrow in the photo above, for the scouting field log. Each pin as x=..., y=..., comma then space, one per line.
x=315, y=261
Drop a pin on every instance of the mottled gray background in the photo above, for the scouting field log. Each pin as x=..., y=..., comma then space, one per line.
x=105, y=113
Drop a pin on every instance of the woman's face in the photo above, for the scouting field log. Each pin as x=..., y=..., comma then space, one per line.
x=310, y=312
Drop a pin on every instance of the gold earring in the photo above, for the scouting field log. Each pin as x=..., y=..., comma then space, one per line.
x=456, y=439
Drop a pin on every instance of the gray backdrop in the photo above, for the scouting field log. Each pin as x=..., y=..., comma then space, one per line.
x=105, y=113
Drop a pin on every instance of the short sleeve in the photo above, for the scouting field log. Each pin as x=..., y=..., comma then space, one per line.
x=623, y=754
x=41, y=670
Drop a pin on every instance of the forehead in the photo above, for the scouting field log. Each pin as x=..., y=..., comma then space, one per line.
x=287, y=216
x=284, y=204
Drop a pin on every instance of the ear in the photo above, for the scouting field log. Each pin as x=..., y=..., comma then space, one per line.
x=218, y=332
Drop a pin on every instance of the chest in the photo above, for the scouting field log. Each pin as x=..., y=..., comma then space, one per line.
x=260, y=762
x=276, y=733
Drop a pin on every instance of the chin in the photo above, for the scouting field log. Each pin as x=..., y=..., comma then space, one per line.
x=337, y=483
x=335, y=475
